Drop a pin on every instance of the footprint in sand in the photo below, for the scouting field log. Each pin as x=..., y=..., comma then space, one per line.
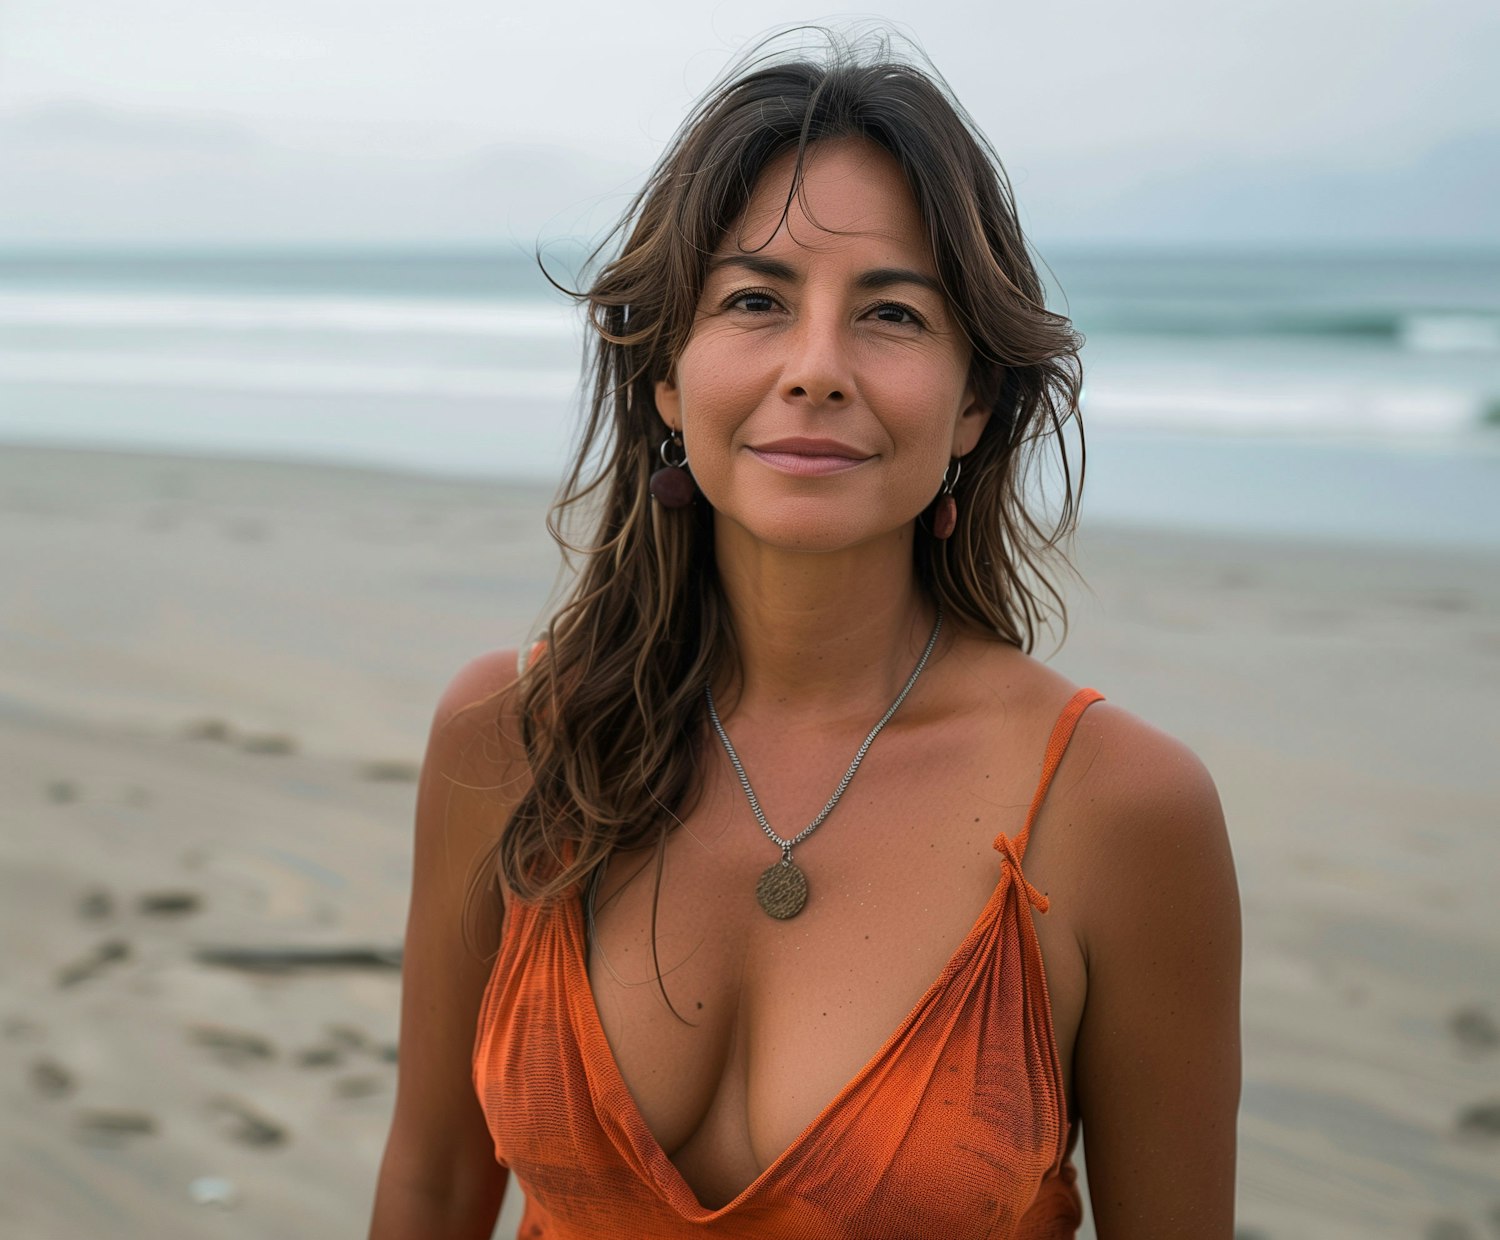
x=111, y=951
x=235, y=1048
x=62, y=792
x=1449, y=1229
x=344, y=1039
x=168, y=903
x=50, y=1079
x=1474, y=1028
x=209, y=730
x=96, y=904
x=361, y=1086
x=320, y=1057
x=390, y=771
x=277, y=744
x=248, y=1126
x=347, y=1036
x=114, y=1125
x=1481, y=1120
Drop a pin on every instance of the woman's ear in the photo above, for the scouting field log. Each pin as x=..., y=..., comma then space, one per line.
x=972, y=420
x=669, y=403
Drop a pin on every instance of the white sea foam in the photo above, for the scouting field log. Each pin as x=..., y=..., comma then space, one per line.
x=1282, y=408
x=238, y=373
x=1451, y=333
x=276, y=312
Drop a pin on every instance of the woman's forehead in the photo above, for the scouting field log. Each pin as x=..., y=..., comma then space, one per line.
x=850, y=191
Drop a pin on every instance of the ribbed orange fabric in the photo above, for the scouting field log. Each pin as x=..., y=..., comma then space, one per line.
x=957, y=1128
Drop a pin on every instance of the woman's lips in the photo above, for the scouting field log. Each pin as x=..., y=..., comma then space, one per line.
x=809, y=457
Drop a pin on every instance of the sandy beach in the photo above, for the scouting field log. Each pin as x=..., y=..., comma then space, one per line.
x=215, y=684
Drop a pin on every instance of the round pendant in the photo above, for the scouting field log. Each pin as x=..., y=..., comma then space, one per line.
x=782, y=890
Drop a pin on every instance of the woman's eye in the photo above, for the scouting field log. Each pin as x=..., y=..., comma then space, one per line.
x=755, y=303
x=891, y=312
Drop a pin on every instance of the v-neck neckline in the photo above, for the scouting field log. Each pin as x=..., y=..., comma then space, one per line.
x=668, y=1180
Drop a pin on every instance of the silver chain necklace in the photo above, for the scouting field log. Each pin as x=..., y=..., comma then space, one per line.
x=782, y=889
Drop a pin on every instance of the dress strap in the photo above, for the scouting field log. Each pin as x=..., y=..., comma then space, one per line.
x=1057, y=745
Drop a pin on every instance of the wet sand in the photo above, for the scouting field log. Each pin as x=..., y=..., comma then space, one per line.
x=215, y=681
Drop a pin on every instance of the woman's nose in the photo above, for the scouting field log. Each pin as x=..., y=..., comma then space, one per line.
x=817, y=371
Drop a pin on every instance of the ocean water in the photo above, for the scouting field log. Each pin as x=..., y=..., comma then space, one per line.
x=1353, y=396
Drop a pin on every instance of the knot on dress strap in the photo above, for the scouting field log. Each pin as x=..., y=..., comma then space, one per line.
x=1005, y=846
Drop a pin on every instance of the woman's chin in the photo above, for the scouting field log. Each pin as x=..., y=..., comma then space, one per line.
x=810, y=528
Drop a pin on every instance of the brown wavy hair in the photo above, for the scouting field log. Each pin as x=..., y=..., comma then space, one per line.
x=612, y=713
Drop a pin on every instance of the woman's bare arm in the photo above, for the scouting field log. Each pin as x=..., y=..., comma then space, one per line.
x=1157, y=1060
x=439, y=1179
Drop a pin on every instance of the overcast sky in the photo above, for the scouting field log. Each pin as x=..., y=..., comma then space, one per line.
x=162, y=121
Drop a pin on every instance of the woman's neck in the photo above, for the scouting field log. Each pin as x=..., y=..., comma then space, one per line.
x=832, y=634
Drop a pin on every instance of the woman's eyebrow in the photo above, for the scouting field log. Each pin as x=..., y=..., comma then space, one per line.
x=769, y=268
x=868, y=281
x=884, y=277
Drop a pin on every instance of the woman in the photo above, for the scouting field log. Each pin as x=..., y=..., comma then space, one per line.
x=822, y=365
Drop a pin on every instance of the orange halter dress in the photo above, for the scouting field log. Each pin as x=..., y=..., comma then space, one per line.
x=957, y=1128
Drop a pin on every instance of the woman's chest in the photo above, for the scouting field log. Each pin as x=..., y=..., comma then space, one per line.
x=734, y=1031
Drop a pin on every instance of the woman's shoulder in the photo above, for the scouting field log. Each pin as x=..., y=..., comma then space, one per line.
x=476, y=737
x=1143, y=824
x=480, y=689
x=1118, y=761
x=475, y=771
x=1132, y=796
x=1151, y=805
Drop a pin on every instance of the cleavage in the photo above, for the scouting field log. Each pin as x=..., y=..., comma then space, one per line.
x=778, y=1018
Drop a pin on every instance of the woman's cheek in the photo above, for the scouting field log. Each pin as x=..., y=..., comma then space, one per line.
x=717, y=396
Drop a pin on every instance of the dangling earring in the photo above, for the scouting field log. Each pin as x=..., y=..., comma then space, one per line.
x=945, y=514
x=672, y=486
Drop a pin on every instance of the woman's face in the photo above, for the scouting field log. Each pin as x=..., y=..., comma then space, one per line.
x=825, y=385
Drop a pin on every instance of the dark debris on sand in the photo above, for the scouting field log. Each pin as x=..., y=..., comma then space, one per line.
x=168, y=903
x=248, y=1126
x=1449, y=1229
x=50, y=1078
x=390, y=771
x=287, y=959
x=96, y=905
x=1474, y=1029
x=109, y=952
x=234, y=1047
x=1481, y=1120
x=114, y=1125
